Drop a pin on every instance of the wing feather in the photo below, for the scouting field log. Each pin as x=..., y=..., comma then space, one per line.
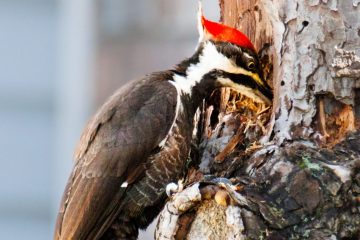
x=115, y=145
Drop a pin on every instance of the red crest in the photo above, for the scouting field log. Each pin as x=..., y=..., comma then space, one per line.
x=221, y=32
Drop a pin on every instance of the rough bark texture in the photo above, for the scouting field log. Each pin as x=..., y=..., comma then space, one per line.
x=291, y=171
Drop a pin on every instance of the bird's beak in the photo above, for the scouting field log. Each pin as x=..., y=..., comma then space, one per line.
x=252, y=86
x=266, y=91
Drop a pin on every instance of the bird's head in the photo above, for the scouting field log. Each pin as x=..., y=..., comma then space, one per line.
x=229, y=57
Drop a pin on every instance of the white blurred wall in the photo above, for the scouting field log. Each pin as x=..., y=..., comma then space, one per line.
x=59, y=60
x=27, y=77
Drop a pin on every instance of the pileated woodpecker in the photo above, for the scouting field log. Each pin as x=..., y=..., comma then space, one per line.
x=139, y=141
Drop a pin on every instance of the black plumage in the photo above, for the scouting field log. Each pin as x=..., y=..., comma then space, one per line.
x=118, y=145
x=137, y=143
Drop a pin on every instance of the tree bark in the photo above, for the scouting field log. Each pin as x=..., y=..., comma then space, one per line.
x=291, y=171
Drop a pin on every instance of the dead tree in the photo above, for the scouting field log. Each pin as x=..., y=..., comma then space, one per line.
x=290, y=171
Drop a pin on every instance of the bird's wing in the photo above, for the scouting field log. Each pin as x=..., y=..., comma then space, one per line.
x=115, y=144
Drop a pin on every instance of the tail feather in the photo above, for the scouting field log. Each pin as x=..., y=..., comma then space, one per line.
x=88, y=208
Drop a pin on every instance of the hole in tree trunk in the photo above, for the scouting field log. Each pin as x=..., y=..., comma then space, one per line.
x=311, y=87
x=334, y=119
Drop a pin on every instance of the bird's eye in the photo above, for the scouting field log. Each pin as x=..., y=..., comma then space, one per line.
x=251, y=65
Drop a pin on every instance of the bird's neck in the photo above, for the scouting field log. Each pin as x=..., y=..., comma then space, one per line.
x=194, y=77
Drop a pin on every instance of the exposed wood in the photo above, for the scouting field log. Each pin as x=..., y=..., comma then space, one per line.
x=229, y=148
x=322, y=118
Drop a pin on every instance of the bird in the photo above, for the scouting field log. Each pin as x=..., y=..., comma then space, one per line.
x=139, y=140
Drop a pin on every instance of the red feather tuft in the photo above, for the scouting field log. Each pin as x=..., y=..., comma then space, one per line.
x=221, y=32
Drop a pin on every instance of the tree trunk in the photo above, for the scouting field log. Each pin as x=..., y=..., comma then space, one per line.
x=291, y=171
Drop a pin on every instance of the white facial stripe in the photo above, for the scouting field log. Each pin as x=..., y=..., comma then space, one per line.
x=247, y=91
x=248, y=56
x=209, y=59
x=212, y=59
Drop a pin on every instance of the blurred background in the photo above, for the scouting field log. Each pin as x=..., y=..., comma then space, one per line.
x=59, y=61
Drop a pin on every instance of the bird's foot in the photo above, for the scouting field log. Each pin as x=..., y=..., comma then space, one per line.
x=173, y=188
